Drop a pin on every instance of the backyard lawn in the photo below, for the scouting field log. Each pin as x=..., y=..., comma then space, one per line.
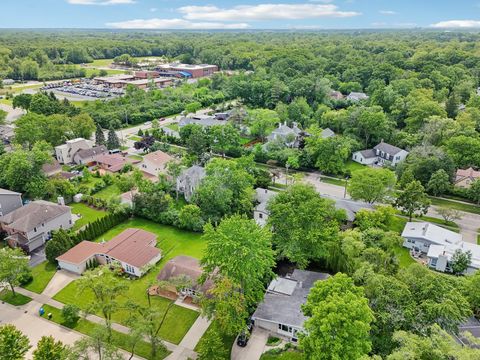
x=353, y=166
x=16, y=300
x=172, y=242
x=87, y=213
x=88, y=328
x=108, y=193
x=42, y=274
x=227, y=340
x=284, y=355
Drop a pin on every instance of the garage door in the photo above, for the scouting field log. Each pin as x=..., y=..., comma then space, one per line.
x=35, y=243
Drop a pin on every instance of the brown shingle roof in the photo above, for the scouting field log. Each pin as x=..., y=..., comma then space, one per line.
x=135, y=247
x=158, y=158
x=467, y=173
x=184, y=266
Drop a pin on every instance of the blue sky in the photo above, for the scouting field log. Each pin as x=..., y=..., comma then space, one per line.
x=239, y=14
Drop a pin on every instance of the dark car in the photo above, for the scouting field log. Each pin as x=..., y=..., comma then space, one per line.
x=244, y=336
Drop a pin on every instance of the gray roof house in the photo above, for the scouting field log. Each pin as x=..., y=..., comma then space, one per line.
x=380, y=155
x=7, y=133
x=260, y=212
x=327, y=133
x=30, y=226
x=9, y=201
x=280, y=311
x=189, y=180
x=86, y=156
x=357, y=96
x=289, y=135
x=351, y=207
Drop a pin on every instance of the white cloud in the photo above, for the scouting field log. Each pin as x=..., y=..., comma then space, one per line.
x=153, y=9
x=387, y=12
x=100, y=2
x=157, y=23
x=457, y=24
x=264, y=12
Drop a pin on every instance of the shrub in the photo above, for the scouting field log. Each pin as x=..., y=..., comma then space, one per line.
x=71, y=314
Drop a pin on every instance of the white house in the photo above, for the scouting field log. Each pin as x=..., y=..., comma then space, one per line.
x=260, y=212
x=66, y=152
x=380, y=155
x=133, y=250
x=155, y=163
x=439, y=245
x=280, y=312
x=289, y=135
x=30, y=226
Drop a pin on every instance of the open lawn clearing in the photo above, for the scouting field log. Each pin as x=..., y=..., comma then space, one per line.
x=17, y=300
x=173, y=126
x=227, y=340
x=109, y=192
x=42, y=274
x=332, y=181
x=87, y=213
x=88, y=328
x=134, y=138
x=456, y=205
x=172, y=242
x=450, y=225
x=353, y=166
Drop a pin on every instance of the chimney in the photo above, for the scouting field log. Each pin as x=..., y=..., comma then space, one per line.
x=61, y=200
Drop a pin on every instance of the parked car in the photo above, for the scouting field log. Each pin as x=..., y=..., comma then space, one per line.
x=244, y=336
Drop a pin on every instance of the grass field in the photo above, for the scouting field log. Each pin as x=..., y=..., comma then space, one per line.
x=134, y=138
x=173, y=126
x=172, y=242
x=227, y=340
x=456, y=205
x=109, y=192
x=88, y=328
x=332, y=181
x=16, y=300
x=88, y=214
x=353, y=166
x=42, y=274
x=135, y=157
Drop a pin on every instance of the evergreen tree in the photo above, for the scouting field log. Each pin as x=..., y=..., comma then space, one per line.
x=113, y=142
x=99, y=136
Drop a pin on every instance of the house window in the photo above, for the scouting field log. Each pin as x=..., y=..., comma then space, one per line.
x=285, y=328
x=34, y=229
x=129, y=269
x=433, y=262
x=260, y=216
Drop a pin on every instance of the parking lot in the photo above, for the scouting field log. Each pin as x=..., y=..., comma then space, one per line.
x=84, y=90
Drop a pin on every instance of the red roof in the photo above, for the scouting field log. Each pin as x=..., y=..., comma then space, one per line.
x=135, y=247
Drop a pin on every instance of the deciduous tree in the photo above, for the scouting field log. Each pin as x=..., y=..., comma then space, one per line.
x=14, y=266
x=413, y=200
x=371, y=184
x=13, y=344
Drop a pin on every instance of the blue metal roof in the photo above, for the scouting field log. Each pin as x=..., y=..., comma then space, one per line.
x=184, y=73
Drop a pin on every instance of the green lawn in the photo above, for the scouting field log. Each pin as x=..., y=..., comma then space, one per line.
x=173, y=126
x=16, y=300
x=88, y=328
x=456, y=205
x=134, y=138
x=172, y=242
x=332, y=181
x=227, y=340
x=109, y=192
x=88, y=214
x=450, y=225
x=353, y=166
x=42, y=274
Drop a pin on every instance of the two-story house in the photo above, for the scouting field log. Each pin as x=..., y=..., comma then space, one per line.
x=380, y=155
x=30, y=226
x=155, y=163
x=66, y=152
x=9, y=201
x=465, y=177
x=189, y=180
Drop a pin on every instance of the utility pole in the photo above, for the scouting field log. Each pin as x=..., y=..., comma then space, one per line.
x=345, y=190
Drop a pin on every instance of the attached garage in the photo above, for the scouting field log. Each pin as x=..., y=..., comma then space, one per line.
x=75, y=259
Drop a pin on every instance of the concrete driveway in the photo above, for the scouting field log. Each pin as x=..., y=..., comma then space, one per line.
x=61, y=279
x=254, y=348
x=35, y=327
x=37, y=256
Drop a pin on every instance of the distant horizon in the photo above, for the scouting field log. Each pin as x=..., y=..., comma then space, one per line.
x=240, y=14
